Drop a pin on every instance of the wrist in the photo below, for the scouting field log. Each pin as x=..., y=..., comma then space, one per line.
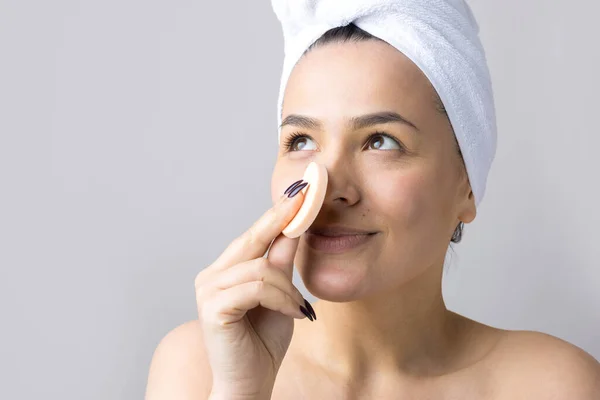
x=218, y=394
x=227, y=391
x=224, y=396
x=221, y=396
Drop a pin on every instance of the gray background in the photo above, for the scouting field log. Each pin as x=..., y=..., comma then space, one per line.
x=137, y=139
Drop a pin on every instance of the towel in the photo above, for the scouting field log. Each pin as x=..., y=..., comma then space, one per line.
x=440, y=36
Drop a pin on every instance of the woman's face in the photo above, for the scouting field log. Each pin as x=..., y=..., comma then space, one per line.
x=405, y=183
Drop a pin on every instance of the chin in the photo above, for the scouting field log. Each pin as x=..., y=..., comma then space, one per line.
x=336, y=282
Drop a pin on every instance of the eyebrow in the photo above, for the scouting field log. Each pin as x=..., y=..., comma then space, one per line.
x=359, y=122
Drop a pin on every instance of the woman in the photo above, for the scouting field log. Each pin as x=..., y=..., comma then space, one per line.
x=399, y=186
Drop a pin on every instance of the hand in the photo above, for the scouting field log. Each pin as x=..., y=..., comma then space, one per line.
x=246, y=303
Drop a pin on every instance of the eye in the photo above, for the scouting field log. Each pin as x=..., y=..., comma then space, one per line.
x=297, y=142
x=378, y=141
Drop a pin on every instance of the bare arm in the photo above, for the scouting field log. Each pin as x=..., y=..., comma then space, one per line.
x=540, y=366
x=179, y=368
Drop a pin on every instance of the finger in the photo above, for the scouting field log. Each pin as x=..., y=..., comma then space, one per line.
x=282, y=253
x=245, y=246
x=258, y=270
x=255, y=241
x=229, y=306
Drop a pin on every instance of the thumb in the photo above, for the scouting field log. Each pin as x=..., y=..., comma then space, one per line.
x=282, y=253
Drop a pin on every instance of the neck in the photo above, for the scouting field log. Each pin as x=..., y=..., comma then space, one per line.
x=407, y=329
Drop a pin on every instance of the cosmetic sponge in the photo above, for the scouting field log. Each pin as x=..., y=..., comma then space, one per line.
x=314, y=194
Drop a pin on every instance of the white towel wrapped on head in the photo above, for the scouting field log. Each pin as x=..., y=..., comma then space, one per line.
x=440, y=36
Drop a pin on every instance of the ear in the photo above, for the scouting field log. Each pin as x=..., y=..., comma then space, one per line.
x=466, y=209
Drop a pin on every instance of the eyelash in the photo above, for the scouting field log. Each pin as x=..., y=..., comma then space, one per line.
x=289, y=142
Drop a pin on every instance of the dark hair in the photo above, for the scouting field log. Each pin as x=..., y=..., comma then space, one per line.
x=352, y=33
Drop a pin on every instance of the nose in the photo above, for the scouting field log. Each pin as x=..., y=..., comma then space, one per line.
x=343, y=181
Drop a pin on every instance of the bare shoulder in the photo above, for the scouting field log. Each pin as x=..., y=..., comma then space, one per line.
x=537, y=365
x=179, y=368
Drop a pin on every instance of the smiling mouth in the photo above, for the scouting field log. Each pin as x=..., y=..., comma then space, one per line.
x=334, y=230
x=330, y=242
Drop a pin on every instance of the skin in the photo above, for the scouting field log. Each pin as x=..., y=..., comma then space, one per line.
x=382, y=328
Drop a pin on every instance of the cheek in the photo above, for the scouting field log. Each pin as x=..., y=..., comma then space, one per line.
x=402, y=198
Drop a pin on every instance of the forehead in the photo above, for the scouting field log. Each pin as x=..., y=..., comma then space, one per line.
x=355, y=77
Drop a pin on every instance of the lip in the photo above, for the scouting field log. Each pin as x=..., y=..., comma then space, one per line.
x=337, y=239
x=337, y=230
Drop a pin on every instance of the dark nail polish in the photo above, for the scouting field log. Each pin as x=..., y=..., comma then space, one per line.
x=310, y=308
x=297, y=189
x=292, y=186
x=305, y=312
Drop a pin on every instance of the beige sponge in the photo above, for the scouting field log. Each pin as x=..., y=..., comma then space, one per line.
x=314, y=194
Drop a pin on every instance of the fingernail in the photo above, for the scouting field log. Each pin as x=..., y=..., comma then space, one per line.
x=297, y=189
x=305, y=312
x=310, y=308
x=292, y=186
